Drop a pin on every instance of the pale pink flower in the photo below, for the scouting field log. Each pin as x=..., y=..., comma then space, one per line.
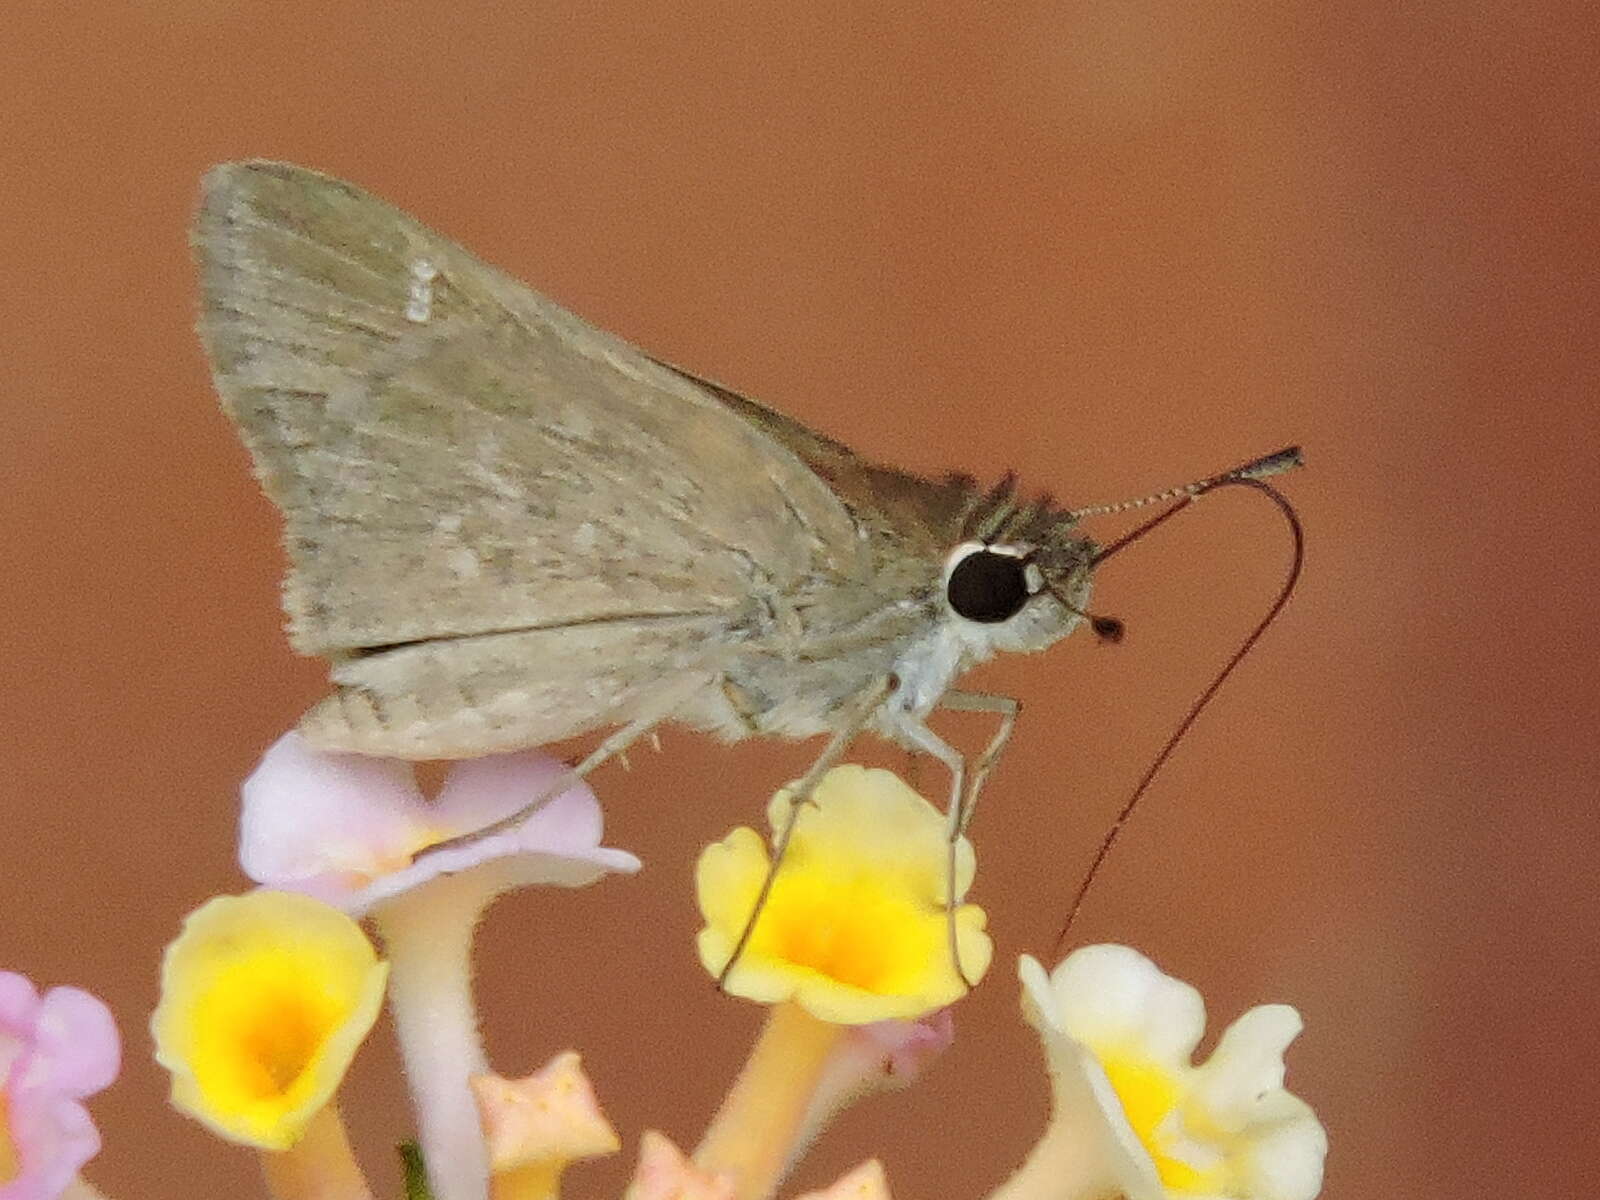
x=346, y=828
x=55, y=1051
x=882, y=1056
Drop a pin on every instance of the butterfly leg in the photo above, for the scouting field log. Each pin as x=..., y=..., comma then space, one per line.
x=913, y=733
x=860, y=713
x=1007, y=709
x=964, y=783
x=613, y=746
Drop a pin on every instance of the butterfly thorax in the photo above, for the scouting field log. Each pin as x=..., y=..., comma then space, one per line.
x=805, y=656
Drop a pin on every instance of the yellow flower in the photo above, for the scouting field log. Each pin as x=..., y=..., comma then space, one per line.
x=1133, y=1113
x=265, y=999
x=855, y=928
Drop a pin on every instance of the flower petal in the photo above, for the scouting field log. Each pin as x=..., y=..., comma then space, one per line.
x=870, y=815
x=503, y=855
x=480, y=791
x=314, y=820
x=1110, y=996
x=54, y=1136
x=1247, y=1064
x=76, y=1050
x=1286, y=1159
x=19, y=1007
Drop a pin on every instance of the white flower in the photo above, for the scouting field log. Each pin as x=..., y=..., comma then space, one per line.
x=1134, y=1114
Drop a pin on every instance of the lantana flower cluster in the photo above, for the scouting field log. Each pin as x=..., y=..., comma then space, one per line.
x=853, y=940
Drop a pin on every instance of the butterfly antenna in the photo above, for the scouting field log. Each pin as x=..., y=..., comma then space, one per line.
x=1264, y=467
x=1250, y=475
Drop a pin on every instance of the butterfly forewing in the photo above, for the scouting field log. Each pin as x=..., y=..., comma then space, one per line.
x=457, y=456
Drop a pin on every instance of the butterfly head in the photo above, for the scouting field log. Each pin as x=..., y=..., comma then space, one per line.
x=1023, y=595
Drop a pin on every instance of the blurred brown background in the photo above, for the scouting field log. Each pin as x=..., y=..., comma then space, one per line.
x=1112, y=245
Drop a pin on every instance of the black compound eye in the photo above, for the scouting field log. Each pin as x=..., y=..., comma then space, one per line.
x=987, y=586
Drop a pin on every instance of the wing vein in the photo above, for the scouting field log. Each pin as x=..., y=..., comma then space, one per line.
x=263, y=225
x=631, y=618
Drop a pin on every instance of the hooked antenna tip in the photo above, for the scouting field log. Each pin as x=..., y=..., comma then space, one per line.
x=1286, y=459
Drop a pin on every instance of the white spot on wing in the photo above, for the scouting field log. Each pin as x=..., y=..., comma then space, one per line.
x=463, y=563
x=420, y=305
